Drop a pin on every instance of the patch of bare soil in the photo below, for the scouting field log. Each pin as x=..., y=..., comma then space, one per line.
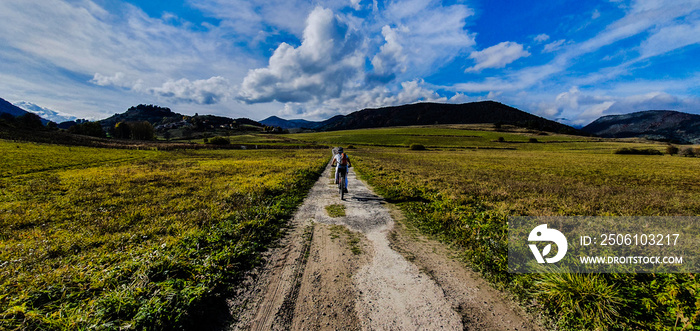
x=480, y=305
x=357, y=272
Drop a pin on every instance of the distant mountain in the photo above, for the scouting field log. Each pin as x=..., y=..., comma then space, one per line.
x=163, y=120
x=6, y=107
x=288, y=124
x=664, y=125
x=46, y=113
x=437, y=113
x=297, y=124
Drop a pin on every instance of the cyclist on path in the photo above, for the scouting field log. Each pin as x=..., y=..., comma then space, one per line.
x=343, y=162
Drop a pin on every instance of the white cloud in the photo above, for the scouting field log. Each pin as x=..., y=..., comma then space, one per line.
x=541, y=38
x=127, y=55
x=119, y=79
x=391, y=58
x=493, y=95
x=431, y=34
x=329, y=65
x=355, y=4
x=203, y=91
x=654, y=101
x=497, y=56
x=595, y=15
x=248, y=19
x=61, y=45
x=671, y=38
x=582, y=107
x=553, y=46
x=327, y=59
x=379, y=96
x=659, y=19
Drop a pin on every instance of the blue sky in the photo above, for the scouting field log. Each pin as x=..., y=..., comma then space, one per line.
x=567, y=60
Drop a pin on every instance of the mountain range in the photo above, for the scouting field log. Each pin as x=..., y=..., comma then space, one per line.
x=23, y=107
x=7, y=107
x=426, y=113
x=298, y=124
x=664, y=125
x=45, y=113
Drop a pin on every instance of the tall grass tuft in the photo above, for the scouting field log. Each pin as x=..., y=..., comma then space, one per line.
x=581, y=299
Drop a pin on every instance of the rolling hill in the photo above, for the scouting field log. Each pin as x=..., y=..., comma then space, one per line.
x=437, y=113
x=663, y=125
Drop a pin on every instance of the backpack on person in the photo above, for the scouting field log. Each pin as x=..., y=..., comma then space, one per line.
x=344, y=160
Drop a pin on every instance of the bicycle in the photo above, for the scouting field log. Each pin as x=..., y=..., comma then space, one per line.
x=341, y=182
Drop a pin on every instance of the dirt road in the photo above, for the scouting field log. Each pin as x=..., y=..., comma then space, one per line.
x=361, y=272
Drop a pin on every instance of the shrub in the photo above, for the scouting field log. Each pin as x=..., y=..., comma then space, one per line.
x=635, y=151
x=219, y=141
x=417, y=147
x=351, y=147
x=532, y=140
x=687, y=151
x=671, y=150
x=501, y=139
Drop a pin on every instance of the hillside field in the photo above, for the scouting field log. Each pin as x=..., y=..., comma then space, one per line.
x=110, y=239
x=465, y=185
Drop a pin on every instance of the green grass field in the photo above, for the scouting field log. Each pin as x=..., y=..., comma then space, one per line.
x=451, y=137
x=114, y=238
x=464, y=187
x=109, y=239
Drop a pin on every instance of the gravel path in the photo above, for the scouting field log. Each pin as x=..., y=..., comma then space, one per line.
x=343, y=274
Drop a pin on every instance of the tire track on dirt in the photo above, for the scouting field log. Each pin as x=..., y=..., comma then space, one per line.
x=313, y=281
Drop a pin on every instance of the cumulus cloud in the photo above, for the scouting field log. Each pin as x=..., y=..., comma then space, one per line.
x=327, y=59
x=497, y=56
x=654, y=101
x=330, y=62
x=203, y=91
x=391, y=57
x=379, y=96
x=581, y=108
